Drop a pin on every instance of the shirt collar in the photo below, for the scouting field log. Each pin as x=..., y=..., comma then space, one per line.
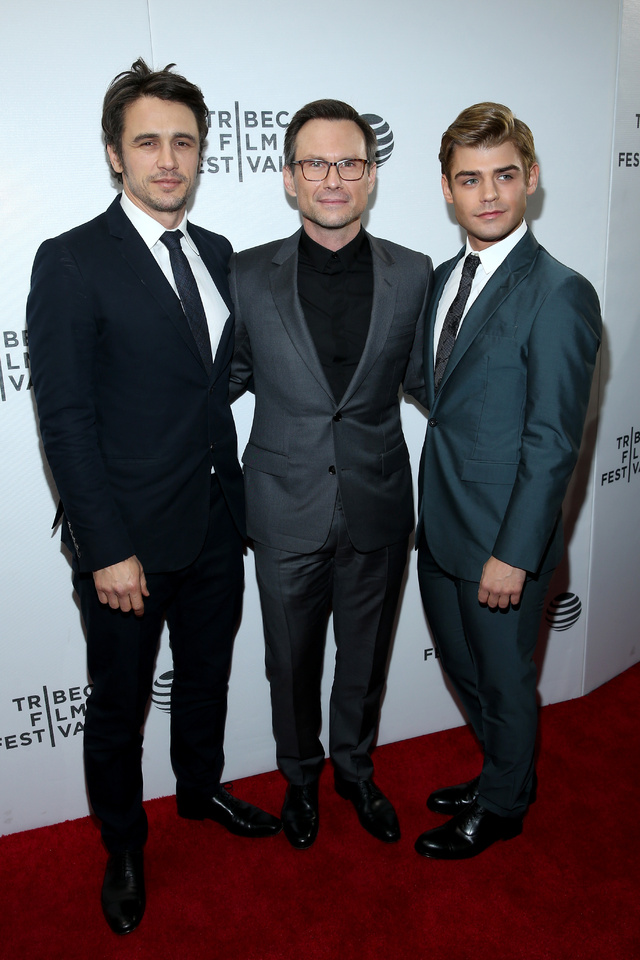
x=150, y=229
x=319, y=255
x=493, y=256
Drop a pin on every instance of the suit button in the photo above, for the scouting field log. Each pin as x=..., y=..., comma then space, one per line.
x=212, y=446
x=332, y=470
x=337, y=418
x=433, y=422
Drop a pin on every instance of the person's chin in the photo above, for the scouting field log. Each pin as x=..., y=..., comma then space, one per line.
x=170, y=204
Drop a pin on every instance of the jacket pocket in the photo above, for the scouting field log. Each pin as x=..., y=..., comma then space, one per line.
x=489, y=471
x=267, y=461
x=394, y=459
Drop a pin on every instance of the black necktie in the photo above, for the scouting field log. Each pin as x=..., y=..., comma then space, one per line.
x=453, y=317
x=189, y=295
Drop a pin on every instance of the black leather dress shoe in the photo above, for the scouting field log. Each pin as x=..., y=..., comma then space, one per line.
x=300, y=819
x=123, y=897
x=467, y=834
x=375, y=812
x=238, y=817
x=453, y=800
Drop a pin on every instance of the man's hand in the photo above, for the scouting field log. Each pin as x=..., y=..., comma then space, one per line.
x=122, y=585
x=500, y=584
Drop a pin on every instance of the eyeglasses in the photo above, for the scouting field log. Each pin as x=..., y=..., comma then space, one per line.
x=315, y=170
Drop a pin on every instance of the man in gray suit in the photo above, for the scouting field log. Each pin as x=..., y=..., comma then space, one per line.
x=328, y=326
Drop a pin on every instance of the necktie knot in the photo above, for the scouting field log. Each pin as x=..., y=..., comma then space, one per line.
x=171, y=239
x=470, y=264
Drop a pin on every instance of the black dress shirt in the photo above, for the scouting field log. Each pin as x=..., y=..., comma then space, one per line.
x=336, y=293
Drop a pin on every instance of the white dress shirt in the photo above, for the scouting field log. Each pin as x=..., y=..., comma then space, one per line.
x=216, y=310
x=490, y=260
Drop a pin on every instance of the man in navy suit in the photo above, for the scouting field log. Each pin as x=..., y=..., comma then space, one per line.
x=131, y=338
x=510, y=348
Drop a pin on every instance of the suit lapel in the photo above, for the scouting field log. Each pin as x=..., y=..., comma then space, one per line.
x=140, y=259
x=219, y=274
x=385, y=291
x=507, y=277
x=283, y=276
x=212, y=260
x=442, y=275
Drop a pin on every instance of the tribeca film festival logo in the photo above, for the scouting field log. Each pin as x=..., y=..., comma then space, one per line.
x=49, y=717
x=628, y=465
x=247, y=142
x=630, y=158
x=14, y=364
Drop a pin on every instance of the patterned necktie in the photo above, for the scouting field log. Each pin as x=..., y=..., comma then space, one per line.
x=453, y=318
x=189, y=295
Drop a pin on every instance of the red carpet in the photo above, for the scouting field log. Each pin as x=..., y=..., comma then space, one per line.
x=567, y=888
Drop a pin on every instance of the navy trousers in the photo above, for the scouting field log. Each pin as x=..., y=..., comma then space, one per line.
x=201, y=605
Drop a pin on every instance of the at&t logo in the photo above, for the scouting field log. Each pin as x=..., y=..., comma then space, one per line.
x=563, y=611
x=161, y=693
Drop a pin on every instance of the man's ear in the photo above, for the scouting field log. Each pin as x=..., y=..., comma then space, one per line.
x=114, y=159
x=534, y=174
x=289, y=182
x=446, y=189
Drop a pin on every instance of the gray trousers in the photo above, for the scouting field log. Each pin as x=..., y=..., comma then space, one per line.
x=297, y=593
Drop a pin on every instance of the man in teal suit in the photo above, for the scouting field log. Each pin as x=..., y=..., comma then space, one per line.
x=511, y=343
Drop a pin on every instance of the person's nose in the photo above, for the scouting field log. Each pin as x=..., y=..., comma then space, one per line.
x=332, y=179
x=167, y=159
x=489, y=190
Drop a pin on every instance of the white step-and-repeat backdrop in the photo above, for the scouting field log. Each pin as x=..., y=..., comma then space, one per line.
x=411, y=66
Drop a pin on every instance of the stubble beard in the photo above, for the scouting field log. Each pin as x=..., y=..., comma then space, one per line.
x=169, y=203
x=331, y=223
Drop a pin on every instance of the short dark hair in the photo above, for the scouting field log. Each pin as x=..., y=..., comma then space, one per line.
x=487, y=125
x=327, y=110
x=141, y=81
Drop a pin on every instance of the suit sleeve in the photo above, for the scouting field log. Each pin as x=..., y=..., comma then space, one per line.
x=562, y=348
x=63, y=340
x=413, y=380
x=241, y=377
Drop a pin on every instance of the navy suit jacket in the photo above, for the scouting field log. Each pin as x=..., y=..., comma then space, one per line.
x=131, y=422
x=505, y=427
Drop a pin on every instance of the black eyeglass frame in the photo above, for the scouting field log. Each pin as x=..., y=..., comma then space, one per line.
x=331, y=163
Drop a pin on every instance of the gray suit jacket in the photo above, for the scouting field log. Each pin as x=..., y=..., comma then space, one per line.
x=304, y=445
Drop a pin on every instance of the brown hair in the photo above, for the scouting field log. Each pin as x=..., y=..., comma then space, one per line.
x=141, y=81
x=327, y=110
x=487, y=125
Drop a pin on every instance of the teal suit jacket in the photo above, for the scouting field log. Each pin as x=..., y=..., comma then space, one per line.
x=505, y=427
